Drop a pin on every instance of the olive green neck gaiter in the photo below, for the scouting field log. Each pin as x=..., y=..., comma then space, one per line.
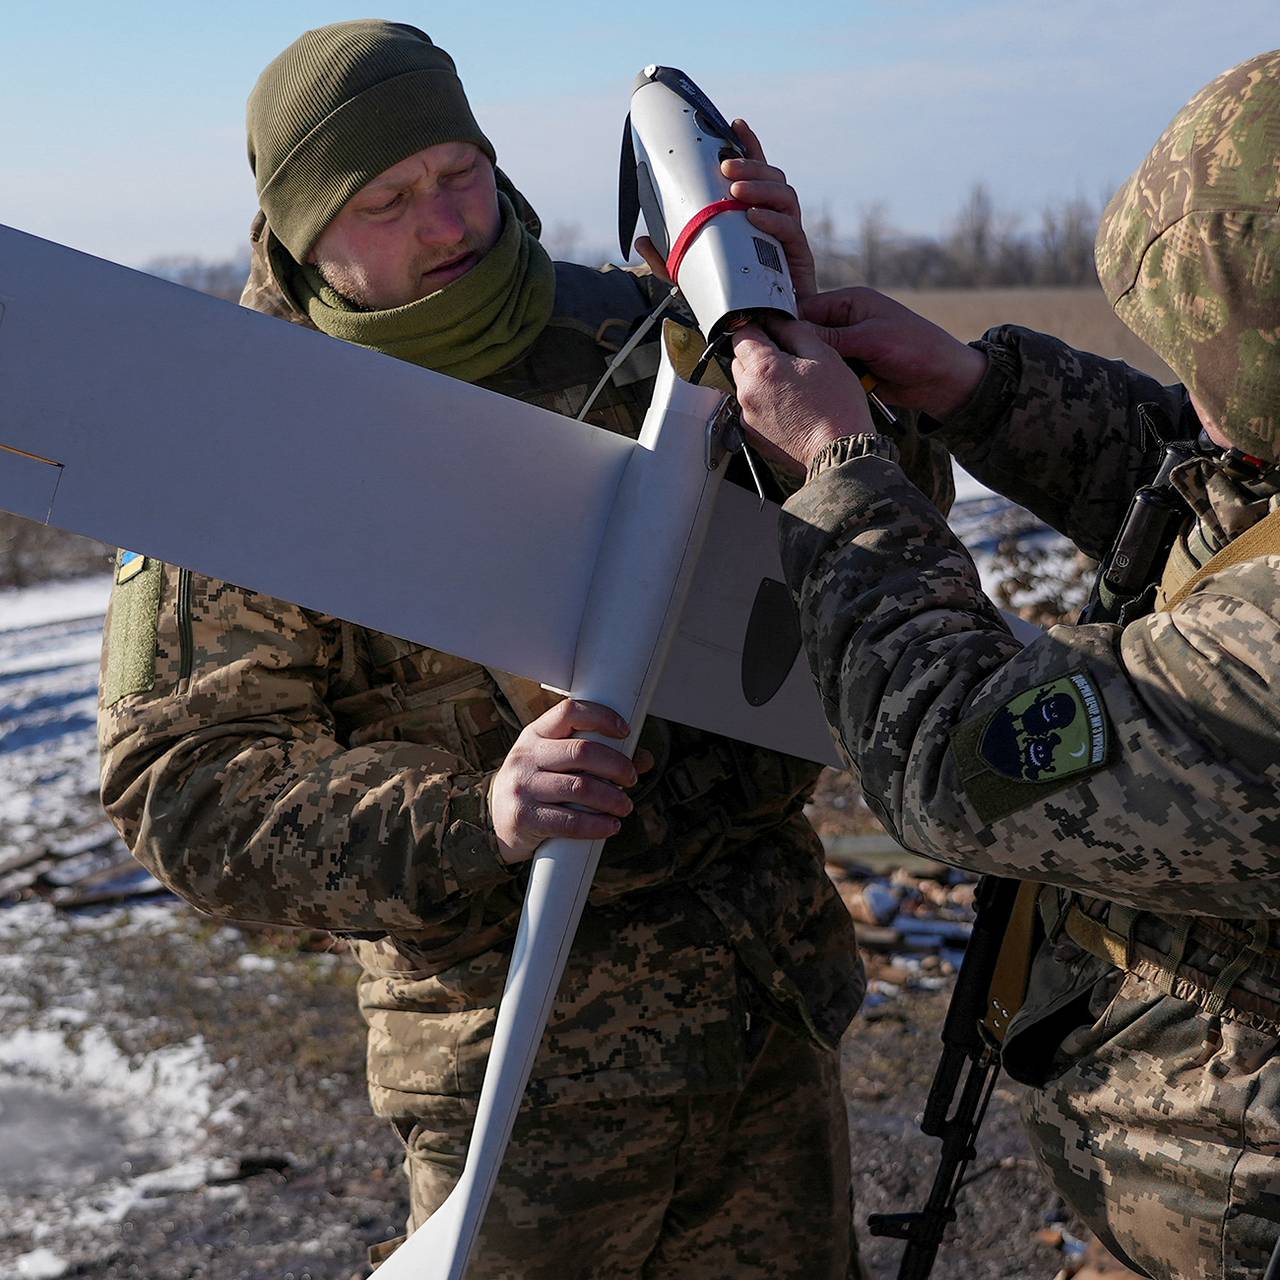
x=470, y=329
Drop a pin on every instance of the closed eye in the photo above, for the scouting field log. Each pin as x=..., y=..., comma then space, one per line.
x=455, y=175
x=386, y=208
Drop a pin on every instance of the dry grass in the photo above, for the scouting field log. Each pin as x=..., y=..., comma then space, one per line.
x=1080, y=317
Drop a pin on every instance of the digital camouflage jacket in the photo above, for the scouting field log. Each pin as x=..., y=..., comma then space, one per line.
x=1135, y=769
x=911, y=658
x=269, y=763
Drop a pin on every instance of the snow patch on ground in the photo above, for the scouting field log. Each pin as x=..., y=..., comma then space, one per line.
x=166, y=1092
x=50, y=640
x=41, y=1264
x=27, y=919
x=160, y=1103
x=94, y=1133
x=54, y=602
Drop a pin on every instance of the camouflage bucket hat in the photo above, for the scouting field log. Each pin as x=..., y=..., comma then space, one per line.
x=1188, y=251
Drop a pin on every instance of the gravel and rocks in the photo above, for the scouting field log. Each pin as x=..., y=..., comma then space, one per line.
x=183, y=1099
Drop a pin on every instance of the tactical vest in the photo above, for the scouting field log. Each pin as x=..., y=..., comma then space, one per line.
x=1229, y=968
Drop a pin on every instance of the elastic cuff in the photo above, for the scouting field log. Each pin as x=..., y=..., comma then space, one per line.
x=865, y=444
x=992, y=398
x=469, y=850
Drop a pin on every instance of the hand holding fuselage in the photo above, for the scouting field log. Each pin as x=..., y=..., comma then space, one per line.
x=795, y=392
x=553, y=784
x=775, y=209
x=916, y=364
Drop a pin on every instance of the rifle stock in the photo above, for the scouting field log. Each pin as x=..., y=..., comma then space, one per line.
x=966, y=1054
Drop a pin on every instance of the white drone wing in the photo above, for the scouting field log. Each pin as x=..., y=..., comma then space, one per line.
x=154, y=418
x=257, y=451
x=735, y=663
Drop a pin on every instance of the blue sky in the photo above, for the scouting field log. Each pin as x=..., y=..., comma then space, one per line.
x=121, y=126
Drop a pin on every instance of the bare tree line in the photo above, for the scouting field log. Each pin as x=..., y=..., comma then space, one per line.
x=984, y=247
x=221, y=279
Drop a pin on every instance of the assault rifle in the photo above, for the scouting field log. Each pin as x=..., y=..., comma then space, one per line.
x=992, y=980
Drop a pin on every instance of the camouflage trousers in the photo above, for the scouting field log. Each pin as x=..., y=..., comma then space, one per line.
x=1163, y=1132
x=752, y=1184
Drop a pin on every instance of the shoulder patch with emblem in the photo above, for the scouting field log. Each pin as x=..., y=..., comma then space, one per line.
x=1039, y=741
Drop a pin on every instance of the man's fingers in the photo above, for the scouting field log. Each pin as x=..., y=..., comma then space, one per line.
x=839, y=307
x=580, y=791
x=747, y=136
x=572, y=715
x=753, y=355
x=764, y=193
x=754, y=173
x=652, y=258
x=581, y=755
x=751, y=345
x=549, y=821
x=786, y=229
x=799, y=338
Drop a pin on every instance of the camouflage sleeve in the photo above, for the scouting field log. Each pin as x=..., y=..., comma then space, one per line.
x=924, y=459
x=1041, y=405
x=1136, y=764
x=223, y=772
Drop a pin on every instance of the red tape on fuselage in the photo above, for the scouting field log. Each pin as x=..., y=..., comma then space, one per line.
x=691, y=229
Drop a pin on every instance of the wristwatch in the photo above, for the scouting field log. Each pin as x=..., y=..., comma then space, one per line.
x=866, y=444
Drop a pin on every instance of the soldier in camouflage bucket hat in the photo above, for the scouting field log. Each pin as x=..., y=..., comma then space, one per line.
x=1189, y=252
x=1132, y=768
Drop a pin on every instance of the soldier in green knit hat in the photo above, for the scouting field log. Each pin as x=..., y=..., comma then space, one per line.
x=684, y=1117
x=1130, y=766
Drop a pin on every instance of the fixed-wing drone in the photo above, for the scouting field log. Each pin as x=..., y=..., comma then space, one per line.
x=152, y=418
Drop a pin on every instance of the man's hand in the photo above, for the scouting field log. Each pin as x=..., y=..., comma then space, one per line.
x=553, y=784
x=797, y=394
x=775, y=209
x=915, y=363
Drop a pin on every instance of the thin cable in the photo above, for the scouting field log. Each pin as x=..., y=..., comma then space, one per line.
x=625, y=350
x=704, y=360
x=713, y=352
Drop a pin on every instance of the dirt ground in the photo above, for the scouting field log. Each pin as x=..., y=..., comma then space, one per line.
x=284, y=1173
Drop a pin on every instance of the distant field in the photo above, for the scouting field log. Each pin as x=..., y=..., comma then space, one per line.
x=1078, y=316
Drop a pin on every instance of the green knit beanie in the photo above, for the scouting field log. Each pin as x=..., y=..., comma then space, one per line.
x=339, y=106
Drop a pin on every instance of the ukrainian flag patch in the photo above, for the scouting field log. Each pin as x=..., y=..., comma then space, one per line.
x=129, y=564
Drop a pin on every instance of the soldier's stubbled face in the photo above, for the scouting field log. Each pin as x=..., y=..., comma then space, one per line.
x=413, y=229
